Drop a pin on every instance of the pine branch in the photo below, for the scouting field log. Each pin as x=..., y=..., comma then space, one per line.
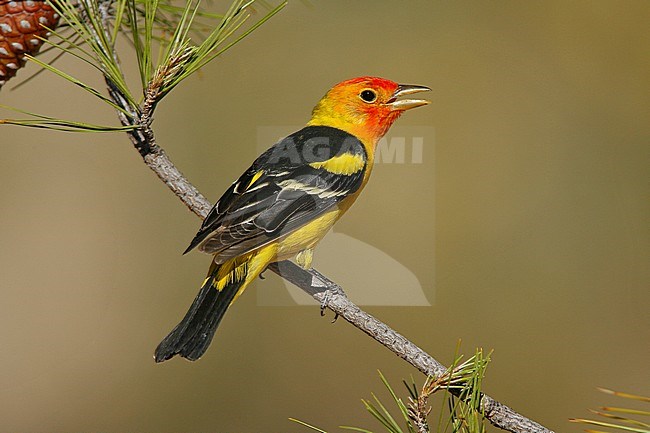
x=331, y=295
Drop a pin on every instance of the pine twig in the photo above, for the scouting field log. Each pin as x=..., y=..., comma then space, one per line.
x=331, y=295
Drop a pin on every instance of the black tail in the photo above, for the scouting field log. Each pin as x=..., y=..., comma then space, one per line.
x=192, y=336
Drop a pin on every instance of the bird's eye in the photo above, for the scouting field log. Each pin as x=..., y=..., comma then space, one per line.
x=368, y=95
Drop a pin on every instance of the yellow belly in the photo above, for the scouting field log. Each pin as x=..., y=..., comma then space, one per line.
x=287, y=247
x=307, y=236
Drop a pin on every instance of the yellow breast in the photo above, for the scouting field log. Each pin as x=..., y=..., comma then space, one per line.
x=308, y=235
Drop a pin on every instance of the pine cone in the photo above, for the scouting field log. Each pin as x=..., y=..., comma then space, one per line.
x=21, y=21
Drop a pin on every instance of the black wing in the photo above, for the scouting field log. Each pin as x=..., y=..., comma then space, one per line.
x=292, y=183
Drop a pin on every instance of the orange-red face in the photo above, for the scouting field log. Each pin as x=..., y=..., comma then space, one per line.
x=366, y=106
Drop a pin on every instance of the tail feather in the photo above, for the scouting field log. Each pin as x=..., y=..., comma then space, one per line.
x=192, y=336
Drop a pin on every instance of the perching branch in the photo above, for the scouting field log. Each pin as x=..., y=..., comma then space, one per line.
x=323, y=290
x=331, y=295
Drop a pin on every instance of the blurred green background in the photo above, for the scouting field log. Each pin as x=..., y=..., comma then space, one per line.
x=526, y=224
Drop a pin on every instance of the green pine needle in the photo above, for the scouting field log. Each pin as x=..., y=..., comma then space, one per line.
x=627, y=411
x=462, y=408
x=362, y=430
x=170, y=43
x=625, y=423
x=76, y=82
x=307, y=425
x=611, y=425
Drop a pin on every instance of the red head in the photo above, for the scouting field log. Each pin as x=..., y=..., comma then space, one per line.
x=365, y=107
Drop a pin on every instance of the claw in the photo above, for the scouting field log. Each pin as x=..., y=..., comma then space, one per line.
x=323, y=304
x=262, y=277
x=318, y=281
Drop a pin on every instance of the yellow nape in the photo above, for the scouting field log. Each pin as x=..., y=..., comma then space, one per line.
x=345, y=163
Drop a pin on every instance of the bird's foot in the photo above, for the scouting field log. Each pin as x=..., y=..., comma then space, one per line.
x=324, y=302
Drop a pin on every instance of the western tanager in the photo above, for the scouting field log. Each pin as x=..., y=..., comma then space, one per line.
x=287, y=200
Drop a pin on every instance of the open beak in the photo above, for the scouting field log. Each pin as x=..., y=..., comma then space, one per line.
x=406, y=104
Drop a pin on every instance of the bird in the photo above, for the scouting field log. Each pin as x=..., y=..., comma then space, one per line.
x=287, y=200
